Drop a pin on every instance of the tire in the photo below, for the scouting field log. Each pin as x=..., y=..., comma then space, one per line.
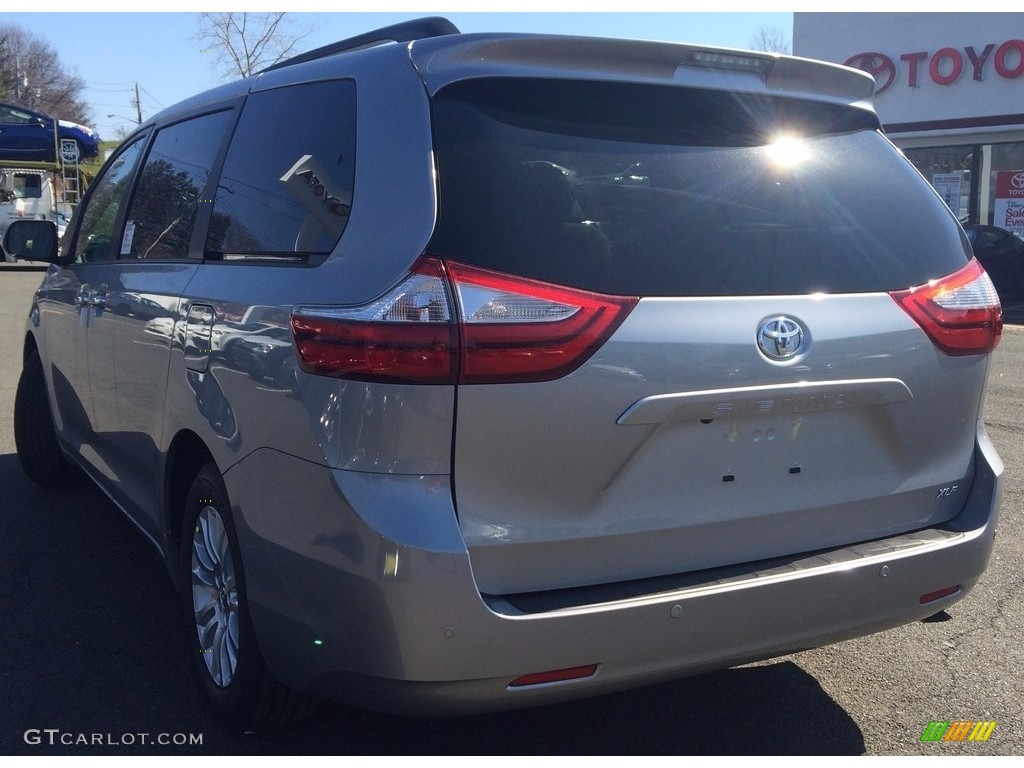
x=221, y=637
x=35, y=435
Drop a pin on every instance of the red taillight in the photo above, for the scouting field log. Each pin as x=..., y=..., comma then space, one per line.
x=517, y=329
x=406, y=336
x=960, y=312
x=455, y=323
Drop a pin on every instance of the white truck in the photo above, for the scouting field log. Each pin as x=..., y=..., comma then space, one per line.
x=30, y=193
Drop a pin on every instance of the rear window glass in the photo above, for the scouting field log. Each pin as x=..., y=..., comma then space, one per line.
x=654, y=191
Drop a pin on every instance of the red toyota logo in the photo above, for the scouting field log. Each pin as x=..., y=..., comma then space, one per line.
x=1017, y=180
x=878, y=65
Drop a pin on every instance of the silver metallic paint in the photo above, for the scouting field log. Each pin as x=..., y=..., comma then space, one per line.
x=428, y=643
x=584, y=496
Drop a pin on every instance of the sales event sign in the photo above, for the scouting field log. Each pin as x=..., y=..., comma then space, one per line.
x=1009, y=208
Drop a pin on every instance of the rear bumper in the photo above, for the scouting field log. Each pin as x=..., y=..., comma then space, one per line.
x=379, y=608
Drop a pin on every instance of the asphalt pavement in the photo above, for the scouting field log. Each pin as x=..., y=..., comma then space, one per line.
x=93, y=661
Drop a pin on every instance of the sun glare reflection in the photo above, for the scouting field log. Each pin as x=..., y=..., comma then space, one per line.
x=787, y=151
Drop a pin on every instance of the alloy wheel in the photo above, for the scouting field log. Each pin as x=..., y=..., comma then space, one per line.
x=215, y=596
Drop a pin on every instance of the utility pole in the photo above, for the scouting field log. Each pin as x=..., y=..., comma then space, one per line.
x=138, y=105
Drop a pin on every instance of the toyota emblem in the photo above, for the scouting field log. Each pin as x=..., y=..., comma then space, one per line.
x=781, y=338
x=878, y=65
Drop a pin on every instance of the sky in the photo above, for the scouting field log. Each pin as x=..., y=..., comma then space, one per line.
x=112, y=51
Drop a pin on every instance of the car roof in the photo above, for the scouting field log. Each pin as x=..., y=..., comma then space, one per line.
x=442, y=55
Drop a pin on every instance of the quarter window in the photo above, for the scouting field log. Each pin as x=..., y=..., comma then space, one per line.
x=286, y=187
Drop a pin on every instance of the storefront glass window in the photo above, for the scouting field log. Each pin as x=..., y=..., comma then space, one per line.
x=948, y=169
x=1004, y=206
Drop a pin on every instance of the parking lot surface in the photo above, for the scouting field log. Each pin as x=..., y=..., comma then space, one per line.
x=93, y=661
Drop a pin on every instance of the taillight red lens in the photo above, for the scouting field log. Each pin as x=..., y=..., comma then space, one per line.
x=518, y=329
x=405, y=337
x=960, y=312
x=453, y=323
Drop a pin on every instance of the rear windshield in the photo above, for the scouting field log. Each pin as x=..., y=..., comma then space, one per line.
x=655, y=191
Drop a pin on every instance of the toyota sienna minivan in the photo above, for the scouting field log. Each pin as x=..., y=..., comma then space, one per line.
x=463, y=372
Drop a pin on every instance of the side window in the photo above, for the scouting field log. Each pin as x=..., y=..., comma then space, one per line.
x=286, y=187
x=10, y=115
x=28, y=185
x=96, y=232
x=169, y=192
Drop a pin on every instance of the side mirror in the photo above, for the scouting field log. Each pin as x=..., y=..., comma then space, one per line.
x=32, y=240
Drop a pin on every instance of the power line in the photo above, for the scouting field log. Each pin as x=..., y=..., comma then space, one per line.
x=154, y=98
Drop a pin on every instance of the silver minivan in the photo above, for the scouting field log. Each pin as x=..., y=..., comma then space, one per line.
x=451, y=373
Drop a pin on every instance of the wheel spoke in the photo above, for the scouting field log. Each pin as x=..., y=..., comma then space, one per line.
x=210, y=538
x=202, y=576
x=231, y=650
x=225, y=656
x=216, y=654
x=233, y=630
x=200, y=547
x=205, y=611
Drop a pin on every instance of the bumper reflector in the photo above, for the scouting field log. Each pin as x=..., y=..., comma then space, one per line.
x=555, y=676
x=939, y=594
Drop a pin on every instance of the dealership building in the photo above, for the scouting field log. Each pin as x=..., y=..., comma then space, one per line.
x=950, y=93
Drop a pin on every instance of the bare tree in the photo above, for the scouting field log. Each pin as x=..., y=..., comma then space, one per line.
x=123, y=132
x=770, y=40
x=242, y=43
x=32, y=76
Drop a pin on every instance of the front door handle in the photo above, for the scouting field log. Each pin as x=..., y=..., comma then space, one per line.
x=82, y=298
x=199, y=337
x=89, y=297
x=98, y=298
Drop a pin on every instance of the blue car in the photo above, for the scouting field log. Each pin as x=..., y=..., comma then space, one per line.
x=28, y=135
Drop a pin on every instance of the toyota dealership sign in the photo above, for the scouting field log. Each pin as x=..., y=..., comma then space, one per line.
x=943, y=67
x=933, y=71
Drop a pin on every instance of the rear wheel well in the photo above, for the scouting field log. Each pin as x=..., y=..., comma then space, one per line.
x=29, y=347
x=187, y=455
